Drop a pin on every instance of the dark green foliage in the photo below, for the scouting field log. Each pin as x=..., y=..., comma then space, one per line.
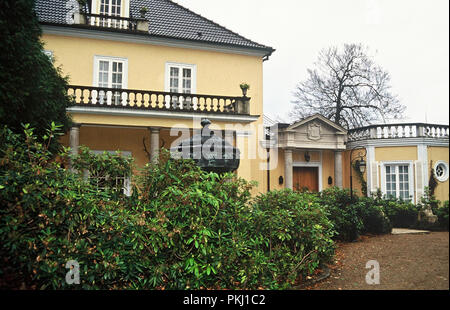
x=199, y=226
x=49, y=216
x=31, y=89
x=374, y=218
x=402, y=214
x=297, y=234
x=343, y=213
x=181, y=228
x=442, y=213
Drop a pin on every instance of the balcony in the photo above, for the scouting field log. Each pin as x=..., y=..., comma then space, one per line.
x=111, y=22
x=149, y=100
x=399, y=131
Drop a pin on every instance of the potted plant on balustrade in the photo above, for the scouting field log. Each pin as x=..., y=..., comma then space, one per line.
x=244, y=88
x=143, y=11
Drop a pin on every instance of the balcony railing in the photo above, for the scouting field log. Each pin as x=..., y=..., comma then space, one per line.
x=86, y=96
x=398, y=131
x=112, y=22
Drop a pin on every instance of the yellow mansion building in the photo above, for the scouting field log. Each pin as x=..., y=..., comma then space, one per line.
x=144, y=73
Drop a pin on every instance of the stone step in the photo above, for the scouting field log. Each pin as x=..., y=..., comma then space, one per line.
x=401, y=231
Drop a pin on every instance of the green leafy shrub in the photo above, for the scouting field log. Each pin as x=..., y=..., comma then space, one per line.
x=50, y=216
x=181, y=228
x=442, y=214
x=402, y=214
x=342, y=212
x=201, y=225
x=373, y=216
x=297, y=234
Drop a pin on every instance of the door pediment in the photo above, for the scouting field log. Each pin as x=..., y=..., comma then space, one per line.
x=315, y=132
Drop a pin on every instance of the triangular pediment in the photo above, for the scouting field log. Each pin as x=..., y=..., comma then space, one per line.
x=314, y=132
x=315, y=122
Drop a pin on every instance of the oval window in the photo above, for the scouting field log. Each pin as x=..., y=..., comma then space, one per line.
x=441, y=171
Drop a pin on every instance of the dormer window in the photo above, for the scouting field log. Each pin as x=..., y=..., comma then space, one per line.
x=111, y=14
x=120, y=8
x=111, y=7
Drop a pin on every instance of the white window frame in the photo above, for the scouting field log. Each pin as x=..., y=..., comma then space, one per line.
x=127, y=180
x=110, y=60
x=411, y=188
x=181, y=102
x=181, y=66
x=124, y=12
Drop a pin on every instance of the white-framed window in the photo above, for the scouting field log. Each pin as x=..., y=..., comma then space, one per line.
x=441, y=171
x=110, y=72
x=397, y=179
x=181, y=78
x=112, y=8
x=121, y=182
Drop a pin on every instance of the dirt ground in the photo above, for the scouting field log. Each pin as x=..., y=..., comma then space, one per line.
x=406, y=262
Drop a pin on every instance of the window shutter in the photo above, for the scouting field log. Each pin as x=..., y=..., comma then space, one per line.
x=373, y=177
x=419, y=180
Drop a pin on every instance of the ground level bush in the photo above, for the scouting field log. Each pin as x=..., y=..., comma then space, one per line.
x=342, y=212
x=373, y=216
x=297, y=234
x=402, y=214
x=181, y=227
x=441, y=211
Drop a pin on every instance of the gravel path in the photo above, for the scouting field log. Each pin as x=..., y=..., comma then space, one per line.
x=407, y=262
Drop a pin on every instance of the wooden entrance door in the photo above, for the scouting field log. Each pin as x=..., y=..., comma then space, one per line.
x=306, y=178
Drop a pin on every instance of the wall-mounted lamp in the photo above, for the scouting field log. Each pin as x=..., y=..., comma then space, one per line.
x=307, y=157
x=361, y=165
x=330, y=180
x=280, y=180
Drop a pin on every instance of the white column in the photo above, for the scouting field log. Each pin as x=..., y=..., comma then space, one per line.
x=338, y=169
x=371, y=171
x=154, y=144
x=288, y=169
x=74, y=140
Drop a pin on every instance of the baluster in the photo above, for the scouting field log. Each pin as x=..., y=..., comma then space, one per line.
x=90, y=96
x=98, y=97
x=200, y=106
x=142, y=100
x=166, y=104
x=407, y=131
x=150, y=100
x=210, y=105
x=191, y=103
x=388, y=132
x=128, y=98
x=157, y=102
x=135, y=99
x=82, y=96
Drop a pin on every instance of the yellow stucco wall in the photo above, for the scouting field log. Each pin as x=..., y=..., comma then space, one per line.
x=395, y=153
x=216, y=74
x=436, y=154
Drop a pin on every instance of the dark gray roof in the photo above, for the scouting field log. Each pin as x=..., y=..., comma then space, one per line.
x=166, y=19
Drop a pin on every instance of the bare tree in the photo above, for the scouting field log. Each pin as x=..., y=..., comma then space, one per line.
x=347, y=88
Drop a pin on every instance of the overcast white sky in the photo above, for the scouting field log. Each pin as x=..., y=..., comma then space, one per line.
x=409, y=38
